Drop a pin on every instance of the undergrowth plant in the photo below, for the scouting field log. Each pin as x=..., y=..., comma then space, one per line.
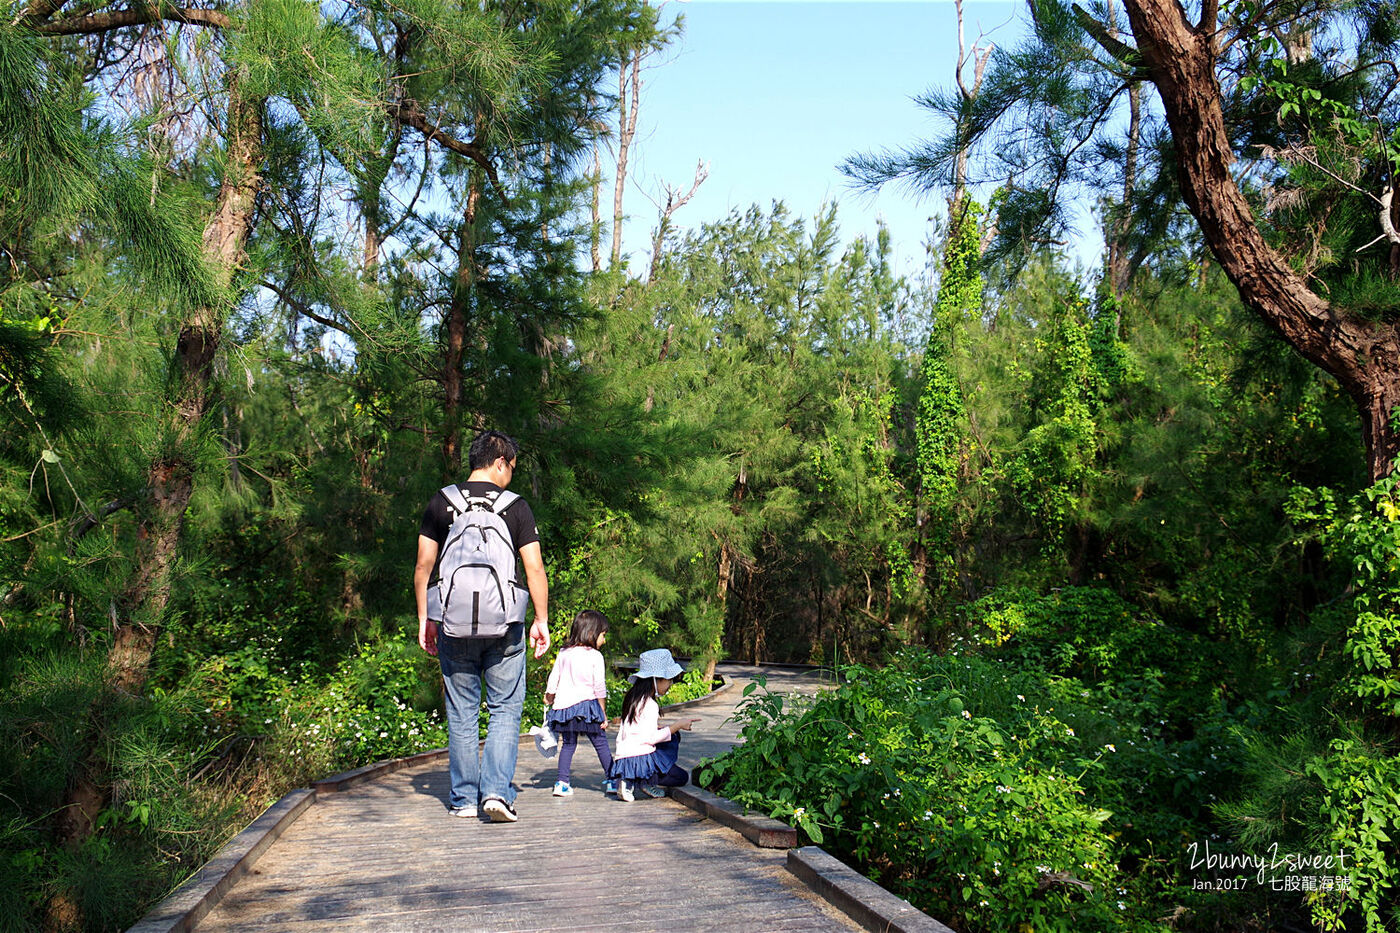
x=974, y=808
x=1357, y=778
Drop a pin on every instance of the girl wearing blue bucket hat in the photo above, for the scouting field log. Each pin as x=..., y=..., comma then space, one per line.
x=646, y=750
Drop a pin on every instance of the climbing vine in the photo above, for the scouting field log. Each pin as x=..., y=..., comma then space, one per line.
x=939, y=422
x=1056, y=457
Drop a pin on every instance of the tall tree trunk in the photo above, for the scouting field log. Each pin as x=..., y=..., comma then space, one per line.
x=1121, y=265
x=979, y=57
x=626, y=130
x=170, y=476
x=548, y=179
x=1364, y=356
x=457, y=313
x=1120, y=261
x=726, y=569
x=595, y=232
x=371, y=213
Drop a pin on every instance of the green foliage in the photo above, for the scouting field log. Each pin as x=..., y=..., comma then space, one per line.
x=938, y=424
x=754, y=383
x=380, y=703
x=285, y=48
x=60, y=723
x=47, y=165
x=60, y=167
x=1359, y=805
x=964, y=768
x=1090, y=633
x=691, y=686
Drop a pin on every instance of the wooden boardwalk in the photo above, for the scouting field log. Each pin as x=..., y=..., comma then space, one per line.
x=386, y=856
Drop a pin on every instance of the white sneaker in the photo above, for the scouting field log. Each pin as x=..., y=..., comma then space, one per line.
x=562, y=789
x=499, y=810
x=624, y=791
x=464, y=812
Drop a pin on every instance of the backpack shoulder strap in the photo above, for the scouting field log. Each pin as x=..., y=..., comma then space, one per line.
x=455, y=498
x=504, y=501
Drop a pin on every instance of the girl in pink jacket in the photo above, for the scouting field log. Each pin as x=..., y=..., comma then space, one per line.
x=576, y=694
x=646, y=750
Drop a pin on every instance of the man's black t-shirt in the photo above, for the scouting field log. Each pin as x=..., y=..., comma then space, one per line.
x=437, y=518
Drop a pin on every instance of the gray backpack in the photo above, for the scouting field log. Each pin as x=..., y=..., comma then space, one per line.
x=478, y=596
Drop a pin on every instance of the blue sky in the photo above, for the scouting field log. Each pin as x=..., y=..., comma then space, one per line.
x=775, y=95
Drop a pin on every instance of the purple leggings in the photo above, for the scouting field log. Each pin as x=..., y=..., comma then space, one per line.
x=568, y=741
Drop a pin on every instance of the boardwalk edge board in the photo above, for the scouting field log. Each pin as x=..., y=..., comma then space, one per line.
x=861, y=899
x=348, y=779
x=196, y=897
x=864, y=901
x=761, y=830
x=687, y=704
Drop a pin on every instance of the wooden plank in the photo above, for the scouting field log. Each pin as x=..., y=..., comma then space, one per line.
x=586, y=862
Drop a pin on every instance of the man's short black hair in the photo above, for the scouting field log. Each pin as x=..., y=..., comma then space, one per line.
x=489, y=446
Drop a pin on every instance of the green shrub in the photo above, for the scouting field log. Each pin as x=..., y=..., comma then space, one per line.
x=1357, y=779
x=973, y=811
x=60, y=722
x=381, y=703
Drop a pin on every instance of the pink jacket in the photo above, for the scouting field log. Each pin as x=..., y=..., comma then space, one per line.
x=577, y=676
x=643, y=734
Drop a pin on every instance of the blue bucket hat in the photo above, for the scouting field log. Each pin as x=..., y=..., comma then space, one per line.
x=656, y=663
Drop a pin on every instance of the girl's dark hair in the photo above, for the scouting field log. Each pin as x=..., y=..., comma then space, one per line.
x=588, y=625
x=643, y=688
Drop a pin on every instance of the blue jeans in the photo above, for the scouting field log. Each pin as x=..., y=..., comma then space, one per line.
x=466, y=664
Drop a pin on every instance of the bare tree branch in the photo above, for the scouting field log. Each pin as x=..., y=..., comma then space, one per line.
x=626, y=131
x=120, y=19
x=674, y=202
x=304, y=309
x=1302, y=154
x=91, y=520
x=37, y=11
x=412, y=115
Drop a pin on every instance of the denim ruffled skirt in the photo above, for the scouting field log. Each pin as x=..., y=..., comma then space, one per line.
x=584, y=718
x=647, y=769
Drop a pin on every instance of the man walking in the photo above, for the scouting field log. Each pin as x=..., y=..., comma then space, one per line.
x=469, y=659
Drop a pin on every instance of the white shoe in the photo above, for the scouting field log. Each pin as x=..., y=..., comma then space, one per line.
x=624, y=791
x=499, y=810
x=562, y=789
x=464, y=812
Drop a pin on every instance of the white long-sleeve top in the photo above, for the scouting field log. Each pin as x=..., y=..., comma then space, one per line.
x=641, y=735
x=577, y=676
